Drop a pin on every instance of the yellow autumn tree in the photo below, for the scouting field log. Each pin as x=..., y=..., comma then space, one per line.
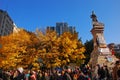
x=48, y=48
x=28, y=49
x=59, y=50
x=17, y=49
x=70, y=48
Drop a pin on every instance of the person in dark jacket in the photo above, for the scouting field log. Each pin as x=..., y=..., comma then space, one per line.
x=102, y=73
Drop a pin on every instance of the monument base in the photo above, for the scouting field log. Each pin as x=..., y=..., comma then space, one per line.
x=103, y=59
x=101, y=54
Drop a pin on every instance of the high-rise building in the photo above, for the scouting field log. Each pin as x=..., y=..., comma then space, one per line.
x=51, y=28
x=72, y=29
x=62, y=27
x=7, y=25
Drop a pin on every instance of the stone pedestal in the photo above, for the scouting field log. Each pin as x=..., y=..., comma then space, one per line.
x=101, y=54
x=102, y=59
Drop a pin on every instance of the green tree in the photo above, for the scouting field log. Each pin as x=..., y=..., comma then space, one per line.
x=89, y=49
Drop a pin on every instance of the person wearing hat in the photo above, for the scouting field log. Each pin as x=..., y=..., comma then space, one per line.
x=18, y=74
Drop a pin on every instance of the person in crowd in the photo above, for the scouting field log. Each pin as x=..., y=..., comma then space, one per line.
x=53, y=75
x=68, y=74
x=27, y=74
x=81, y=76
x=116, y=71
x=75, y=76
x=5, y=75
x=107, y=73
x=18, y=74
x=39, y=75
x=32, y=75
x=95, y=72
x=47, y=76
x=101, y=73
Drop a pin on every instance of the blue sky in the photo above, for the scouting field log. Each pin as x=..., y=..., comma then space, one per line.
x=32, y=14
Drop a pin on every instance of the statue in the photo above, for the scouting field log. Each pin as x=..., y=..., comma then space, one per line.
x=94, y=17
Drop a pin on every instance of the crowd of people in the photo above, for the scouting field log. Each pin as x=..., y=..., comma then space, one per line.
x=48, y=74
x=78, y=73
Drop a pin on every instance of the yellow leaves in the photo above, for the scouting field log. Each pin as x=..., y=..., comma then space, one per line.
x=57, y=64
x=68, y=60
x=82, y=56
x=16, y=49
x=82, y=49
x=5, y=62
x=64, y=62
x=71, y=49
x=49, y=65
x=48, y=55
x=36, y=65
x=68, y=50
x=24, y=48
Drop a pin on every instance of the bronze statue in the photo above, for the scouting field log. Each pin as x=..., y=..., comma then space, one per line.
x=94, y=17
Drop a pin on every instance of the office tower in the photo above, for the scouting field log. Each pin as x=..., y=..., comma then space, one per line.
x=7, y=26
x=61, y=28
x=72, y=29
x=52, y=28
